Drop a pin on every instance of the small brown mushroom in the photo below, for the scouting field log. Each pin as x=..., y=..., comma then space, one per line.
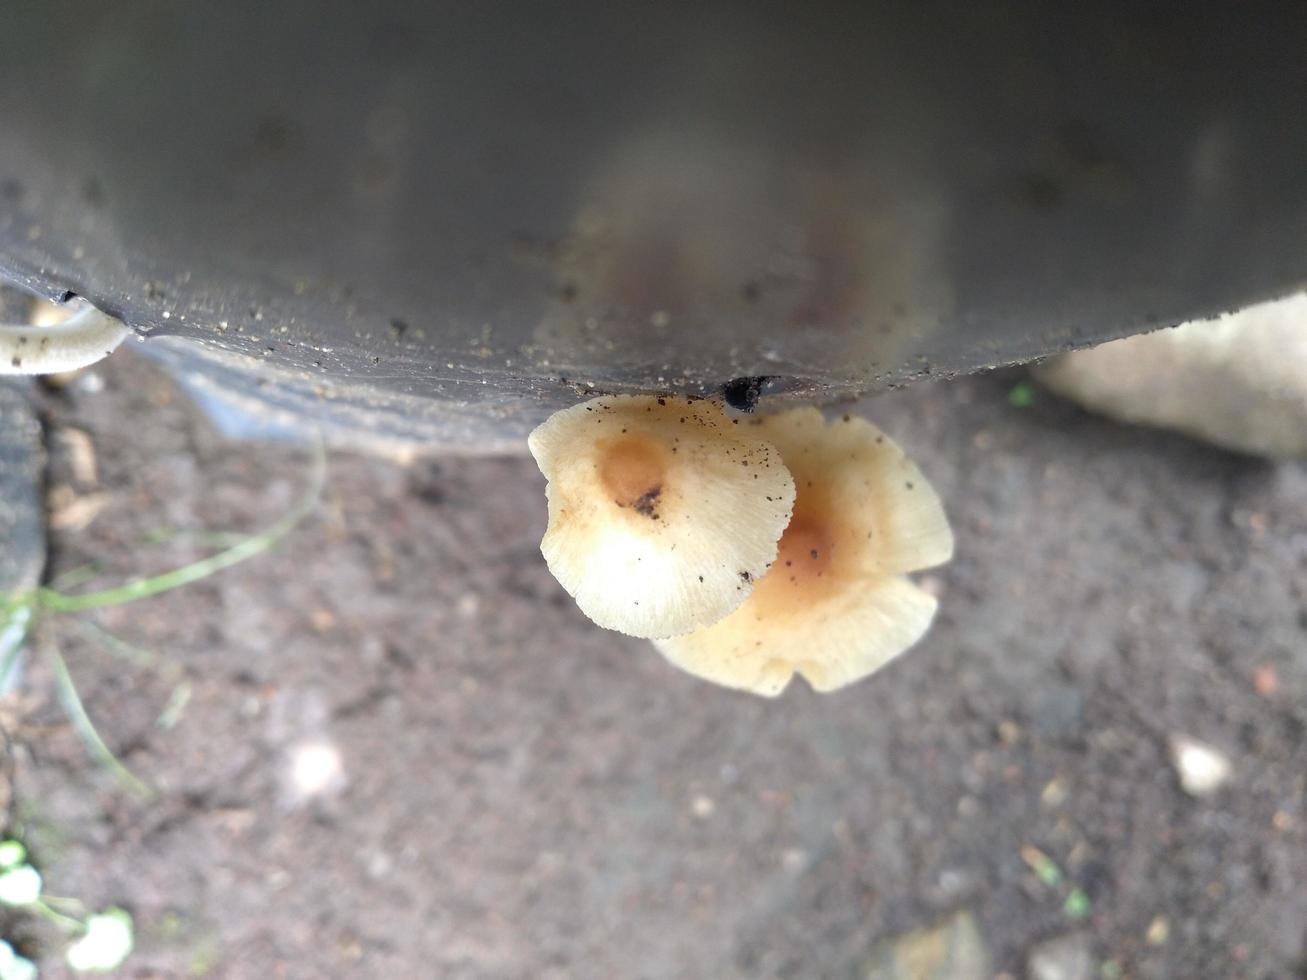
x=836, y=604
x=662, y=514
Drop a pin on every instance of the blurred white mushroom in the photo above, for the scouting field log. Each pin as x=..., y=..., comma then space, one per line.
x=663, y=512
x=836, y=604
x=50, y=348
x=1239, y=380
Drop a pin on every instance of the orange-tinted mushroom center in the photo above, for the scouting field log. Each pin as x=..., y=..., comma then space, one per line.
x=633, y=472
x=805, y=548
x=805, y=564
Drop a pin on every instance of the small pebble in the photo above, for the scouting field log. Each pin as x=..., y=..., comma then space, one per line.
x=1202, y=769
x=1063, y=958
x=702, y=807
x=794, y=859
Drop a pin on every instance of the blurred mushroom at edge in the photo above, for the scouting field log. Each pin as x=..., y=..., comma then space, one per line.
x=1238, y=380
x=663, y=512
x=54, y=343
x=836, y=605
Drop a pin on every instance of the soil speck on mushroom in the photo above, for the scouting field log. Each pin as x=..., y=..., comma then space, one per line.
x=647, y=501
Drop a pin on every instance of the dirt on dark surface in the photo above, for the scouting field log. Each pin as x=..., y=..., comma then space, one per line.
x=393, y=747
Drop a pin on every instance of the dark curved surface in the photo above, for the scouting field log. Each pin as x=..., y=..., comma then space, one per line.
x=453, y=218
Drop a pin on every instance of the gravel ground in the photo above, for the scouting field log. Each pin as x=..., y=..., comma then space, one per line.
x=405, y=753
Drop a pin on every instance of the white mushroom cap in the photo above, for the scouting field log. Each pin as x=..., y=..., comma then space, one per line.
x=663, y=512
x=835, y=606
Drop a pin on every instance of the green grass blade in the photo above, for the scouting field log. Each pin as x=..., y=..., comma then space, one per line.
x=16, y=615
x=205, y=539
x=74, y=577
x=85, y=728
x=116, y=646
x=253, y=545
x=177, y=702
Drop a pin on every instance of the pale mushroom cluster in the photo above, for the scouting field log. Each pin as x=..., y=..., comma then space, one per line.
x=746, y=550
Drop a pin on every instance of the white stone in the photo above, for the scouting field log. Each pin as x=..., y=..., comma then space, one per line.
x=1064, y=958
x=316, y=768
x=1202, y=769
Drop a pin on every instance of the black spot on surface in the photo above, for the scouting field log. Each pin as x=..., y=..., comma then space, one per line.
x=647, y=503
x=742, y=393
x=398, y=327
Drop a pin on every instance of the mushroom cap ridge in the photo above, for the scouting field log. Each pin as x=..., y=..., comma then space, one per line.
x=835, y=606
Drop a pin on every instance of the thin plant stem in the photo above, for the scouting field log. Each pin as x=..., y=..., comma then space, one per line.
x=15, y=625
x=73, y=905
x=205, y=539
x=85, y=728
x=253, y=545
x=74, y=577
x=41, y=908
x=117, y=646
x=177, y=702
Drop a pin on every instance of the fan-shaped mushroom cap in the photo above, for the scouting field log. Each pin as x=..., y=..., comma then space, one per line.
x=835, y=605
x=663, y=513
